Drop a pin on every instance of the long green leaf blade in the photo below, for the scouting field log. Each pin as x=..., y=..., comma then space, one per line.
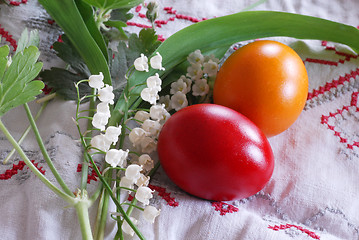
x=68, y=17
x=224, y=31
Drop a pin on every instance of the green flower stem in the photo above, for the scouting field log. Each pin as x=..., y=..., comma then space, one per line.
x=84, y=220
x=117, y=203
x=23, y=136
x=102, y=215
x=84, y=170
x=68, y=198
x=44, y=151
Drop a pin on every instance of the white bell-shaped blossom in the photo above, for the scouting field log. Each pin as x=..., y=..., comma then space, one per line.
x=211, y=57
x=188, y=82
x=148, y=145
x=127, y=228
x=150, y=213
x=210, y=68
x=100, y=142
x=126, y=183
x=112, y=133
x=200, y=87
x=156, y=62
x=116, y=157
x=144, y=194
x=158, y=112
x=136, y=135
x=143, y=180
x=141, y=116
x=96, y=81
x=151, y=127
x=141, y=63
x=146, y=162
x=154, y=82
x=103, y=108
x=133, y=172
x=195, y=71
x=106, y=95
x=179, y=101
x=100, y=120
x=150, y=95
x=195, y=57
x=179, y=86
x=166, y=99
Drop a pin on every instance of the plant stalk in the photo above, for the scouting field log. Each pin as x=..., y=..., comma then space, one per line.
x=84, y=220
x=44, y=151
x=57, y=191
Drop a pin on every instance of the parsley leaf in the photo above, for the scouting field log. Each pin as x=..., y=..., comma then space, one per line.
x=16, y=86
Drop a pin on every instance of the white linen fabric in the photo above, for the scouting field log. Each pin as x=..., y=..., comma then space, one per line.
x=314, y=190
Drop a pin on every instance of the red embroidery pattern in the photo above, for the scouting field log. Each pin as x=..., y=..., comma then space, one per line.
x=91, y=176
x=9, y=173
x=334, y=84
x=165, y=195
x=325, y=120
x=286, y=226
x=8, y=38
x=224, y=208
x=16, y=3
x=160, y=23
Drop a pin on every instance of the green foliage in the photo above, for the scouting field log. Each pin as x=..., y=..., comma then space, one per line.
x=113, y=4
x=28, y=39
x=62, y=81
x=220, y=33
x=82, y=36
x=17, y=87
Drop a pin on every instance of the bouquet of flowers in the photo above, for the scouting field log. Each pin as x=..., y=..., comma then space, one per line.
x=130, y=92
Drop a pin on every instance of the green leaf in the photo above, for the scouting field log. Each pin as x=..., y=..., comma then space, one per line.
x=4, y=52
x=113, y=4
x=146, y=42
x=88, y=17
x=69, y=18
x=66, y=51
x=17, y=86
x=63, y=82
x=28, y=39
x=224, y=31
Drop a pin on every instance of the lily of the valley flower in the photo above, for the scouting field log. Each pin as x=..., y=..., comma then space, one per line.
x=112, y=133
x=141, y=116
x=116, y=157
x=150, y=95
x=106, y=95
x=141, y=63
x=195, y=71
x=133, y=172
x=151, y=127
x=126, y=183
x=158, y=112
x=100, y=142
x=103, y=108
x=200, y=87
x=179, y=101
x=144, y=194
x=179, y=86
x=143, y=180
x=195, y=57
x=127, y=228
x=96, y=81
x=146, y=162
x=100, y=120
x=150, y=213
x=136, y=135
x=148, y=145
x=210, y=68
x=156, y=62
x=154, y=82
